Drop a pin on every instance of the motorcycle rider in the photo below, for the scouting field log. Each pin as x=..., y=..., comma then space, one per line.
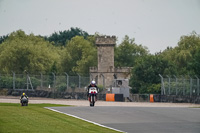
x=92, y=84
x=23, y=95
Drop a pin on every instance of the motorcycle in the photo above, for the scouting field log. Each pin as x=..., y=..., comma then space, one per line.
x=92, y=95
x=24, y=101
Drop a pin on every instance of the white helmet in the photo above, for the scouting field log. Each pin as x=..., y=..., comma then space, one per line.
x=93, y=82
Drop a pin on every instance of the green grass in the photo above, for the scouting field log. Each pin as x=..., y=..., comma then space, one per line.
x=36, y=119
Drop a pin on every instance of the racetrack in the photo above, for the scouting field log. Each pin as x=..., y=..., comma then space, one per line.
x=130, y=117
x=140, y=119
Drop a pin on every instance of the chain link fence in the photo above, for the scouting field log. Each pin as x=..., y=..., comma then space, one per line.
x=52, y=82
x=182, y=86
x=50, y=86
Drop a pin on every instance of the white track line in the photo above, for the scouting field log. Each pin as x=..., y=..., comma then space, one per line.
x=85, y=120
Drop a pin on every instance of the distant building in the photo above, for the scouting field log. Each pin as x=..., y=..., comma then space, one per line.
x=105, y=73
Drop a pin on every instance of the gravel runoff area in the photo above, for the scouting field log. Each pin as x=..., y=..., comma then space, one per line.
x=37, y=100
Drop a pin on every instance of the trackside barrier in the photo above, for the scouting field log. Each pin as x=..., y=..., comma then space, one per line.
x=119, y=97
x=110, y=97
x=115, y=97
x=151, y=98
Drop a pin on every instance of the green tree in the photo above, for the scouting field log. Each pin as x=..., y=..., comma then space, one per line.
x=62, y=37
x=78, y=56
x=195, y=63
x=21, y=52
x=145, y=74
x=128, y=52
x=3, y=38
x=183, y=55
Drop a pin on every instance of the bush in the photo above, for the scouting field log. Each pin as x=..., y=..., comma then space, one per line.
x=62, y=87
x=73, y=86
x=35, y=82
x=6, y=82
x=20, y=83
x=154, y=89
x=100, y=88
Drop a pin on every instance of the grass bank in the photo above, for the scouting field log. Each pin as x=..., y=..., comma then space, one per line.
x=35, y=118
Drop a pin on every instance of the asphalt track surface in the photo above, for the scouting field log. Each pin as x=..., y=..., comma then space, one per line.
x=140, y=119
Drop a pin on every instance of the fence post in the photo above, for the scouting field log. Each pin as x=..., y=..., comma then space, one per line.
x=91, y=76
x=0, y=80
x=176, y=84
x=169, y=85
x=97, y=79
x=26, y=79
x=67, y=80
x=79, y=81
x=197, y=85
x=184, y=85
x=54, y=84
x=41, y=80
x=103, y=80
x=190, y=85
x=13, y=80
x=162, y=86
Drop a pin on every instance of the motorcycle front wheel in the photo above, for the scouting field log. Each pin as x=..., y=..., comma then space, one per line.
x=92, y=101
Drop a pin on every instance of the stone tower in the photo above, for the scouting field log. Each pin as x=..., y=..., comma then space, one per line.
x=104, y=73
x=105, y=53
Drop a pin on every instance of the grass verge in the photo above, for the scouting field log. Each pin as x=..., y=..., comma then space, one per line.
x=35, y=118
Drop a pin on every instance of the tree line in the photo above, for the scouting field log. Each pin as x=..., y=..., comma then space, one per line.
x=74, y=51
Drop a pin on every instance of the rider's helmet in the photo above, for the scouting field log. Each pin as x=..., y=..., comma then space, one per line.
x=23, y=94
x=93, y=83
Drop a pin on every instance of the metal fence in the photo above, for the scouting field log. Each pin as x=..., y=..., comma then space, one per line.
x=50, y=82
x=183, y=85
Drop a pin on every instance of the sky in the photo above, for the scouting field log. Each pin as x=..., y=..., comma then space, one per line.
x=155, y=24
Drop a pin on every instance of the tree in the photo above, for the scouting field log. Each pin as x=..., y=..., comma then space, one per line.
x=128, y=52
x=79, y=55
x=62, y=37
x=3, y=38
x=195, y=63
x=183, y=55
x=145, y=73
x=26, y=52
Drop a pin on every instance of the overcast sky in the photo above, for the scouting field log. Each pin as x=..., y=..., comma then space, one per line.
x=155, y=24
